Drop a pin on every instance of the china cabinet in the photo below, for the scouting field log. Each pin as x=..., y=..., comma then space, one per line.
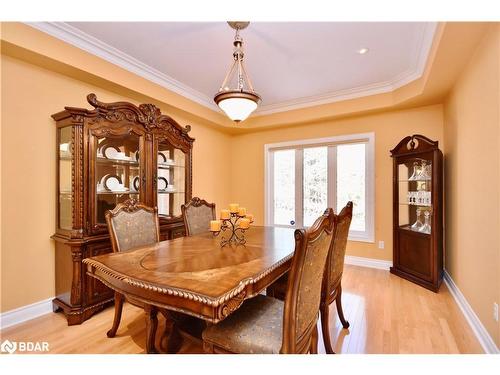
x=418, y=211
x=106, y=155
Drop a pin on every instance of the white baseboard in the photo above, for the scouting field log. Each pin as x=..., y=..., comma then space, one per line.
x=24, y=313
x=368, y=262
x=481, y=333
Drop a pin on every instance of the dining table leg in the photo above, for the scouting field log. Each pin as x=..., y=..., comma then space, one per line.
x=151, y=325
x=171, y=335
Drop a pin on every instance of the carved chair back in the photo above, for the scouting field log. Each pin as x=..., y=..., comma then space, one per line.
x=335, y=261
x=197, y=214
x=132, y=224
x=304, y=283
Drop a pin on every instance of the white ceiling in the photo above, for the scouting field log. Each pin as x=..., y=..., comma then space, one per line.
x=291, y=65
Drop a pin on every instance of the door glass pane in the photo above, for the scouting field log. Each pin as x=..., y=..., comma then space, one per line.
x=315, y=183
x=65, y=167
x=171, y=180
x=117, y=172
x=414, y=195
x=351, y=182
x=284, y=187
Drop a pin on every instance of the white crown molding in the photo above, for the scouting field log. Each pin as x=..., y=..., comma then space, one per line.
x=86, y=42
x=96, y=47
x=24, y=313
x=368, y=262
x=477, y=327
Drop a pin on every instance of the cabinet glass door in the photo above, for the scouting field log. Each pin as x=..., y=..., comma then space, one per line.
x=170, y=180
x=118, y=174
x=65, y=214
x=415, y=195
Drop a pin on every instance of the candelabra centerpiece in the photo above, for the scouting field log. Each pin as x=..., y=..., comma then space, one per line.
x=235, y=222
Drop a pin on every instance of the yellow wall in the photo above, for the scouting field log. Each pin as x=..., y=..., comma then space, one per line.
x=30, y=94
x=389, y=128
x=472, y=138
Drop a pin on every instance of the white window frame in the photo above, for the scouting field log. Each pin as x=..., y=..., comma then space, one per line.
x=368, y=138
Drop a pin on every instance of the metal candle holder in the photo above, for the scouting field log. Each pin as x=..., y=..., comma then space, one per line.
x=237, y=233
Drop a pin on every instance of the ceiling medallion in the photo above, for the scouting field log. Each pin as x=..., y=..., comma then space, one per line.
x=238, y=103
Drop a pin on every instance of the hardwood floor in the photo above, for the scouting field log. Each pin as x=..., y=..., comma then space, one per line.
x=387, y=315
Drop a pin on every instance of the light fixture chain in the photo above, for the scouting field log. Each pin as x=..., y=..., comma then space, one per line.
x=240, y=76
x=250, y=86
x=228, y=76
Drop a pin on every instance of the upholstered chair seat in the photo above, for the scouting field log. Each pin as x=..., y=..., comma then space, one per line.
x=267, y=325
x=257, y=327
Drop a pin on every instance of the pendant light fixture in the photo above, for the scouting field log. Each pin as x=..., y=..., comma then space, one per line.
x=239, y=102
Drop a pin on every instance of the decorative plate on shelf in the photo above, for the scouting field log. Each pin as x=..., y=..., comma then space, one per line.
x=110, y=151
x=135, y=183
x=162, y=159
x=137, y=155
x=162, y=183
x=65, y=150
x=112, y=182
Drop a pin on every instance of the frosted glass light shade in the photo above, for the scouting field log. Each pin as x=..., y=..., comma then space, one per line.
x=237, y=109
x=236, y=104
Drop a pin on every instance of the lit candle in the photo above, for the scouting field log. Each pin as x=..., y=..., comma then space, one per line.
x=215, y=225
x=249, y=217
x=242, y=211
x=233, y=207
x=244, y=223
x=224, y=214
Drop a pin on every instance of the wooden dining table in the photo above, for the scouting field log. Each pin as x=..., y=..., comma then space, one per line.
x=195, y=275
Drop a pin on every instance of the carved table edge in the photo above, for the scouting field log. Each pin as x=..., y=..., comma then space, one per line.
x=214, y=302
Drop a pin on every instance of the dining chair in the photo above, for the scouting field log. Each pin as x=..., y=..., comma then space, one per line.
x=332, y=282
x=197, y=214
x=331, y=287
x=268, y=325
x=131, y=224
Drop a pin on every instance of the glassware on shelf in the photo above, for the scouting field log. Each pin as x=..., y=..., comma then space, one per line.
x=421, y=171
x=427, y=198
x=425, y=171
x=426, y=228
x=417, y=224
x=419, y=198
x=416, y=172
